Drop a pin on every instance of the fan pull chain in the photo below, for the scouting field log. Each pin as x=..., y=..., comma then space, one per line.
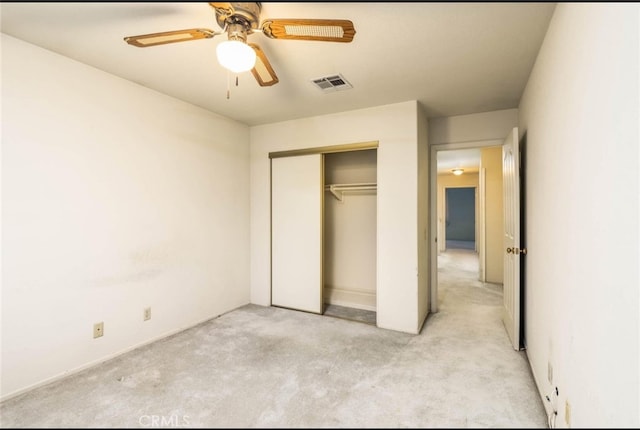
x=229, y=84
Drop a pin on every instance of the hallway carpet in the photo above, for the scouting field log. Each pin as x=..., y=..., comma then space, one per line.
x=269, y=367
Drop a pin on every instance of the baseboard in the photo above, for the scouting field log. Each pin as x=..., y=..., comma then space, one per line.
x=90, y=364
x=543, y=397
x=353, y=298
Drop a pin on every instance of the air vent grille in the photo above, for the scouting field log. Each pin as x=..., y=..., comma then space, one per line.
x=332, y=83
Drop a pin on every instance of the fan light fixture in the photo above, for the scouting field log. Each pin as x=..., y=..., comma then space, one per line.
x=457, y=172
x=240, y=19
x=236, y=56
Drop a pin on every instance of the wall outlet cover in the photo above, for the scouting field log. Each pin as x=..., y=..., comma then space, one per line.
x=98, y=330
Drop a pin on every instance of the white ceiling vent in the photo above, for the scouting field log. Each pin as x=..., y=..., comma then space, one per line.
x=332, y=83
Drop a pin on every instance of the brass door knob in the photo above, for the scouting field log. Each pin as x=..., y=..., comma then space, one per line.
x=517, y=251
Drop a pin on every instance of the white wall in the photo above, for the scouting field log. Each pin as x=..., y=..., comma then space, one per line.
x=115, y=198
x=580, y=115
x=476, y=127
x=395, y=128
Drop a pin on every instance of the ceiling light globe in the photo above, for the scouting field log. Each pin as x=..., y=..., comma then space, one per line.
x=457, y=172
x=236, y=56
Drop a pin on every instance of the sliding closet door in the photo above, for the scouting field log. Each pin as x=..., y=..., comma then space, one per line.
x=297, y=188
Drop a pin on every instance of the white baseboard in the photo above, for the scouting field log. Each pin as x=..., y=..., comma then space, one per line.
x=353, y=298
x=85, y=366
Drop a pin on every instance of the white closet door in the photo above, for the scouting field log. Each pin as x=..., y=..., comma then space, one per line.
x=296, y=232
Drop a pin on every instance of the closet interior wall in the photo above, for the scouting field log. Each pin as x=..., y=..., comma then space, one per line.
x=349, y=244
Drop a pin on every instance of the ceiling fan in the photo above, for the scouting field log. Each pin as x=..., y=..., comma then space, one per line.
x=239, y=20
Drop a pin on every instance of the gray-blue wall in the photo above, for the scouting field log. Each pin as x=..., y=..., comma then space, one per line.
x=460, y=215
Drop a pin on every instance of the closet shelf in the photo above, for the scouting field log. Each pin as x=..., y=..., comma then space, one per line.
x=338, y=189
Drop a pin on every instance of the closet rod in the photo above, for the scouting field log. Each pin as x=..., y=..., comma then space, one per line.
x=337, y=189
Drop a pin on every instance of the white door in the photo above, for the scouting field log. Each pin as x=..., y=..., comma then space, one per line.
x=297, y=190
x=511, y=190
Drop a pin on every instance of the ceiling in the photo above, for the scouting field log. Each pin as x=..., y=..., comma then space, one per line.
x=467, y=159
x=453, y=58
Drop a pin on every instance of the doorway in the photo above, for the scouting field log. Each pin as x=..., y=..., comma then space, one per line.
x=485, y=179
x=349, y=241
x=501, y=255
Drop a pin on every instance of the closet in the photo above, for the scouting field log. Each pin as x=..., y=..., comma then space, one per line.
x=323, y=230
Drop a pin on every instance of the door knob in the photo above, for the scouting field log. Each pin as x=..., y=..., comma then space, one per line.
x=517, y=251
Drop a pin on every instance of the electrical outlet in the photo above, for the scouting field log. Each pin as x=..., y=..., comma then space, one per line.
x=98, y=329
x=550, y=372
x=147, y=314
x=567, y=413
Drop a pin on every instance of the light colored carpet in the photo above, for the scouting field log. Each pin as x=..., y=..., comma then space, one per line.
x=461, y=244
x=270, y=367
x=348, y=313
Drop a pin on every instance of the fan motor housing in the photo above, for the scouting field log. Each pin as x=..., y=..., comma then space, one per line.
x=247, y=14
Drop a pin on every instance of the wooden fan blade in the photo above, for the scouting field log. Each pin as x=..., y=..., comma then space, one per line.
x=153, y=39
x=223, y=8
x=223, y=11
x=325, y=30
x=262, y=71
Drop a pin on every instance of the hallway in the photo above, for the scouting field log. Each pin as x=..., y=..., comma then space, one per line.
x=270, y=367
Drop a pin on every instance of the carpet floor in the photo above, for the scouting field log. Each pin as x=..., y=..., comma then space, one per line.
x=257, y=367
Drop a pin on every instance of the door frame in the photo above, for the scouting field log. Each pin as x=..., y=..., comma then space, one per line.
x=433, y=207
